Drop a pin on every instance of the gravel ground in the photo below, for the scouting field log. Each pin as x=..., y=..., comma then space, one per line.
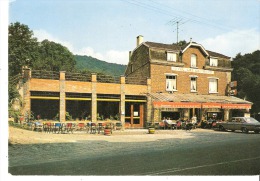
x=22, y=136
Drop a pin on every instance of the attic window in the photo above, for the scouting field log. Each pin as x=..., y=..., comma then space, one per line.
x=213, y=62
x=171, y=56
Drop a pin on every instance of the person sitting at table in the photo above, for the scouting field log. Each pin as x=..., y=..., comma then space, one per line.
x=169, y=123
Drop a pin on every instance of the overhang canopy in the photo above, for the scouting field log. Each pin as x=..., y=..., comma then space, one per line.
x=173, y=100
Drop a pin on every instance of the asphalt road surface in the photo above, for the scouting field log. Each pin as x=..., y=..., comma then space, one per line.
x=204, y=153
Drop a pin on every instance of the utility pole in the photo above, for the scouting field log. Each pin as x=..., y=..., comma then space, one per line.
x=178, y=22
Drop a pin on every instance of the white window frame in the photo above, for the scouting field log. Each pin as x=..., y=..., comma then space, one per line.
x=171, y=82
x=171, y=56
x=213, y=85
x=193, y=61
x=213, y=62
x=193, y=86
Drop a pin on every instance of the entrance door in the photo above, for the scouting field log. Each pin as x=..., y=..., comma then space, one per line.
x=134, y=115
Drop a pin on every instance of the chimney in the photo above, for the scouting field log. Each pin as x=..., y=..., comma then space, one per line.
x=139, y=40
x=130, y=53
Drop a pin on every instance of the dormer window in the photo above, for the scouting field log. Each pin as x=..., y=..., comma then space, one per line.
x=213, y=62
x=193, y=61
x=171, y=56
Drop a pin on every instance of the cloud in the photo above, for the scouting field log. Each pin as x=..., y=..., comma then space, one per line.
x=42, y=35
x=234, y=42
x=112, y=56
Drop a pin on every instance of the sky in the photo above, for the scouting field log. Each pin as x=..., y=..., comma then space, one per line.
x=107, y=29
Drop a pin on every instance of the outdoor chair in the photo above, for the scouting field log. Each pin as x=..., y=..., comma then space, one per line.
x=162, y=125
x=214, y=125
x=81, y=126
x=57, y=128
x=47, y=127
x=69, y=127
x=118, y=126
x=93, y=128
x=179, y=125
x=101, y=127
x=38, y=126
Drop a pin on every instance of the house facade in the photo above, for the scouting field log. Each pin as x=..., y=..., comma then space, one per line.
x=161, y=80
x=186, y=81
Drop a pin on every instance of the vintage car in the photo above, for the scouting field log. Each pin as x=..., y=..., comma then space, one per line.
x=244, y=124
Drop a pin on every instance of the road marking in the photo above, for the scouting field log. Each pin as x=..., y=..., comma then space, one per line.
x=173, y=170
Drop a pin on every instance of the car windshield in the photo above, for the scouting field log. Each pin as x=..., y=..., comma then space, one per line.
x=251, y=120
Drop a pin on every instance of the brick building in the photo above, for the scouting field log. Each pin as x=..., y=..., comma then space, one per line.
x=185, y=81
x=161, y=80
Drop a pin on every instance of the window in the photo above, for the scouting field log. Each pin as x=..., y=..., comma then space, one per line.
x=132, y=68
x=213, y=85
x=193, y=84
x=171, y=82
x=193, y=60
x=171, y=56
x=213, y=62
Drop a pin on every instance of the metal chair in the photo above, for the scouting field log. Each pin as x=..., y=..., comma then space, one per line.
x=118, y=126
x=93, y=128
x=47, y=127
x=81, y=126
x=162, y=125
x=69, y=127
x=57, y=128
x=101, y=127
x=179, y=125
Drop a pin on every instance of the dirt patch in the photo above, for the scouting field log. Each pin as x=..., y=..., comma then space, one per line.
x=22, y=136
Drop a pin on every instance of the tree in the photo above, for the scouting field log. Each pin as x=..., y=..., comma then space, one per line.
x=54, y=57
x=22, y=48
x=182, y=43
x=247, y=74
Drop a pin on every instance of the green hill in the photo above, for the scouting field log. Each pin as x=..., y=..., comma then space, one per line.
x=94, y=65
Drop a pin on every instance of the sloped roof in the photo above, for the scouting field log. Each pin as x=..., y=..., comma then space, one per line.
x=175, y=47
x=215, y=54
x=167, y=97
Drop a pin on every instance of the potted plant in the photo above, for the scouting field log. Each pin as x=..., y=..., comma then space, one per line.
x=151, y=129
x=108, y=129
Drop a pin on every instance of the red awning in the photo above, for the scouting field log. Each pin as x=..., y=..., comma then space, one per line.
x=236, y=106
x=177, y=104
x=211, y=105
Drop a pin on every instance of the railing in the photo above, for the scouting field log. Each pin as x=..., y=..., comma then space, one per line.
x=136, y=80
x=78, y=77
x=108, y=79
x=86, y=77
x=42, y=74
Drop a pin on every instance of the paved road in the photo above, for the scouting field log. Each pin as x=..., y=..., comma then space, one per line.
x=204, y=153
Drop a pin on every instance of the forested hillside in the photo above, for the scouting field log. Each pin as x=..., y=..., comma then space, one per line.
x=247, y=73
x=91, y=64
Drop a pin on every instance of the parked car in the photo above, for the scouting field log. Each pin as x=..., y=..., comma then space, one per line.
x=245, y=124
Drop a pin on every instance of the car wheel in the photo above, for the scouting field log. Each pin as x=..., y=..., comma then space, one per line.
x=244, y=130
x=221, y=128
x=256, y=131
